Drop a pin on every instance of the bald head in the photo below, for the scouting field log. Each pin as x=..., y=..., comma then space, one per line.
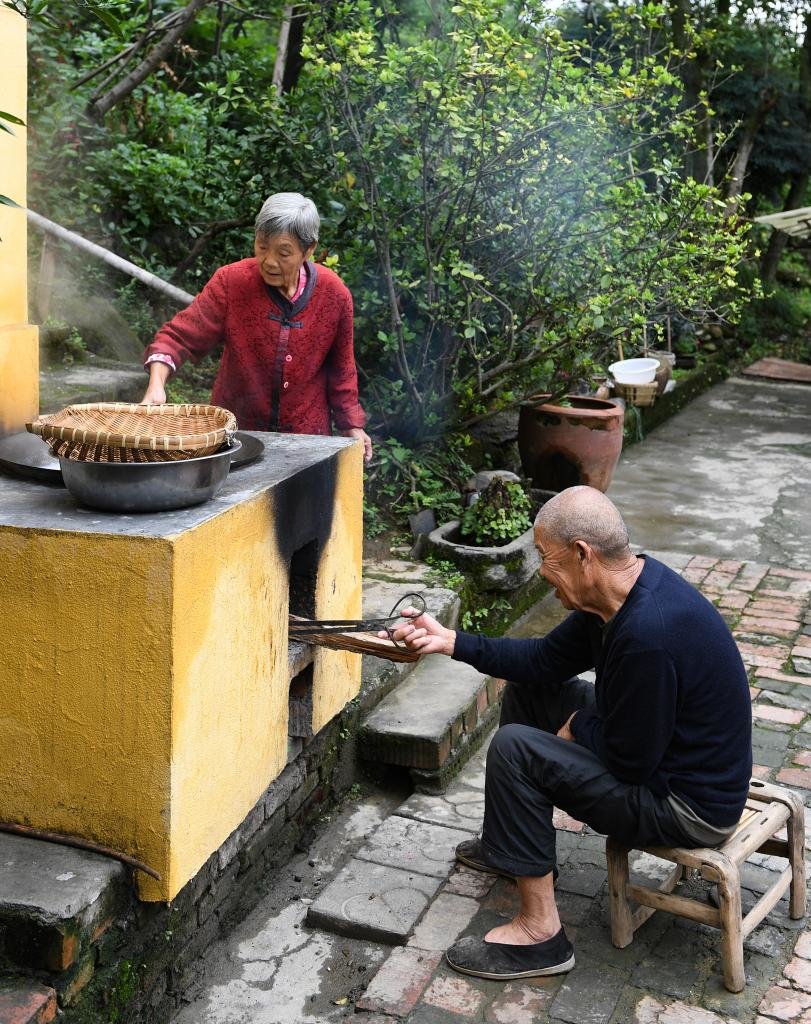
x=583, y=513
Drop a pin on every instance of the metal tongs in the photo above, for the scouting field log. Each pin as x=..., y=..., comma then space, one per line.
x=301, y=629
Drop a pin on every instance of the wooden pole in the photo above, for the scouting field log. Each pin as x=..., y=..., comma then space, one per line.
x=177, y=295
x=45, y=283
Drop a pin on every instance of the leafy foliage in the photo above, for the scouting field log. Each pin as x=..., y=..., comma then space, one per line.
x=500, y=514
x=508, y=214
x=503, y=189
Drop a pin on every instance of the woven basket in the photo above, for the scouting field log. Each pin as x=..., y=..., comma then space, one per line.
x=637, y=394
x=122, y=432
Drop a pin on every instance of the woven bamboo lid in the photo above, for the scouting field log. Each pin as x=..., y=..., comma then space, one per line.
x=173, y=431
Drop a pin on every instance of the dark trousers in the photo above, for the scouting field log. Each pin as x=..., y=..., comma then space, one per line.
x=530, y=771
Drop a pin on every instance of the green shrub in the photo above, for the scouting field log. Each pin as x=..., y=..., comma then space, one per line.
x=500, y=515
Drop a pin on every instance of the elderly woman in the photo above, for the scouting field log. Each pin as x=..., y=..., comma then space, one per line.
x=285, y=325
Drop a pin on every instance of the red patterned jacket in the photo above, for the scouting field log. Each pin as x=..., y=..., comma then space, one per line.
x=285, y=366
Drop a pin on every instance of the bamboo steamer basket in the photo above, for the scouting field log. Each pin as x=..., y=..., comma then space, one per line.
x=637, y=394
x=122, y=432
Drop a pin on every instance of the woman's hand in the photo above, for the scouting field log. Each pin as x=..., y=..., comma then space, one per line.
x=424, y=634
x=155, y=393
x=361, y=435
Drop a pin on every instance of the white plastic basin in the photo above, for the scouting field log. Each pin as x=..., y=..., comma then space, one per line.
x=634, y=371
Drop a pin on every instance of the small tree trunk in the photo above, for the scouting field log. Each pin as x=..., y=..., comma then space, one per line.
x=777, y=242
x=768, y=98
x=289, y=61
x=281, y=48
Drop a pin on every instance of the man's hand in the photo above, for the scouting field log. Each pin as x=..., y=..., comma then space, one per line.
x=424, y=634
x=565, y=731
x=361, y=435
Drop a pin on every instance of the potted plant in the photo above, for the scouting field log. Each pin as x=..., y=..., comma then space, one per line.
x=572, y=440
x=493, y=541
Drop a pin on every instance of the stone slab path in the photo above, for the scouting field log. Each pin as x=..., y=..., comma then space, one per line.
x=727, y=477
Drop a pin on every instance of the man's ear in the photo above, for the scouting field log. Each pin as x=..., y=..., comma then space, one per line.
x=583, y=551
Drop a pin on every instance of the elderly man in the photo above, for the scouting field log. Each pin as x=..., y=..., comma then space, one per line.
x=657, y=752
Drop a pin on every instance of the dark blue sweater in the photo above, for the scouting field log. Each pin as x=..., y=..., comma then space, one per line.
x=673, y=710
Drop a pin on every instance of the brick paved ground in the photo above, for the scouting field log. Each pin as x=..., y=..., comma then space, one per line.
x=671, y=973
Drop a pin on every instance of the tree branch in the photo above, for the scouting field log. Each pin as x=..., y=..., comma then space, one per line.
x=100, y=106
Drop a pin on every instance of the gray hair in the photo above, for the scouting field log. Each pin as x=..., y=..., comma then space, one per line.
x=289, y=213
x=584, y=513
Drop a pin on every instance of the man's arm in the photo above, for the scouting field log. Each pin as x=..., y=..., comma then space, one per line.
x=641, y=694
x=560, y=655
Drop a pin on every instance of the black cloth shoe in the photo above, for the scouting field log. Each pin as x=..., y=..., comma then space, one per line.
x=503, y=962
x=471, y=853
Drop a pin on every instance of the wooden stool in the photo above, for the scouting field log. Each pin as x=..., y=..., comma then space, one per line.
x=768, y=809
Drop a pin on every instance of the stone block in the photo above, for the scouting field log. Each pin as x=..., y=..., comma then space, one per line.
x=444, y=921
x=412, y=725
x=798, y=971
x=401, y=842
x=369, y=901
x=467, y=882
x=280, y=791
x=70, y=984
x=784, y=1004
x=56, y=900
x=587, y=996
x=774, y=714
x=800, y=777
x=240, y=836
x=305, y=790
x=456, y=995
x=522, y=1003
x=803, y=946
x=440, y=810
x=217, y=892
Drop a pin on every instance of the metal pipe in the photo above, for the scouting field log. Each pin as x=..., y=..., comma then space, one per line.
x=81, y=844
x=150, y=280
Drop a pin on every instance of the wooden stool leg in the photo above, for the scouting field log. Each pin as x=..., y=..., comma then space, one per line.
x=729, y=893
x=622, y=929
x=795, y=829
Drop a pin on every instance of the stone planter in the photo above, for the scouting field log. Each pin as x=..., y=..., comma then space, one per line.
x=496, y=568
x=506, y=567
x=562, y=446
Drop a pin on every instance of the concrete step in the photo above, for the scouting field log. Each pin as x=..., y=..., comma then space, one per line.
x=432, y=722
x=97, y=380
x=26, y=1002
x=55, y=903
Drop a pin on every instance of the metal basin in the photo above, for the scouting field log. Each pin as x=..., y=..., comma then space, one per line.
x=148, y=486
